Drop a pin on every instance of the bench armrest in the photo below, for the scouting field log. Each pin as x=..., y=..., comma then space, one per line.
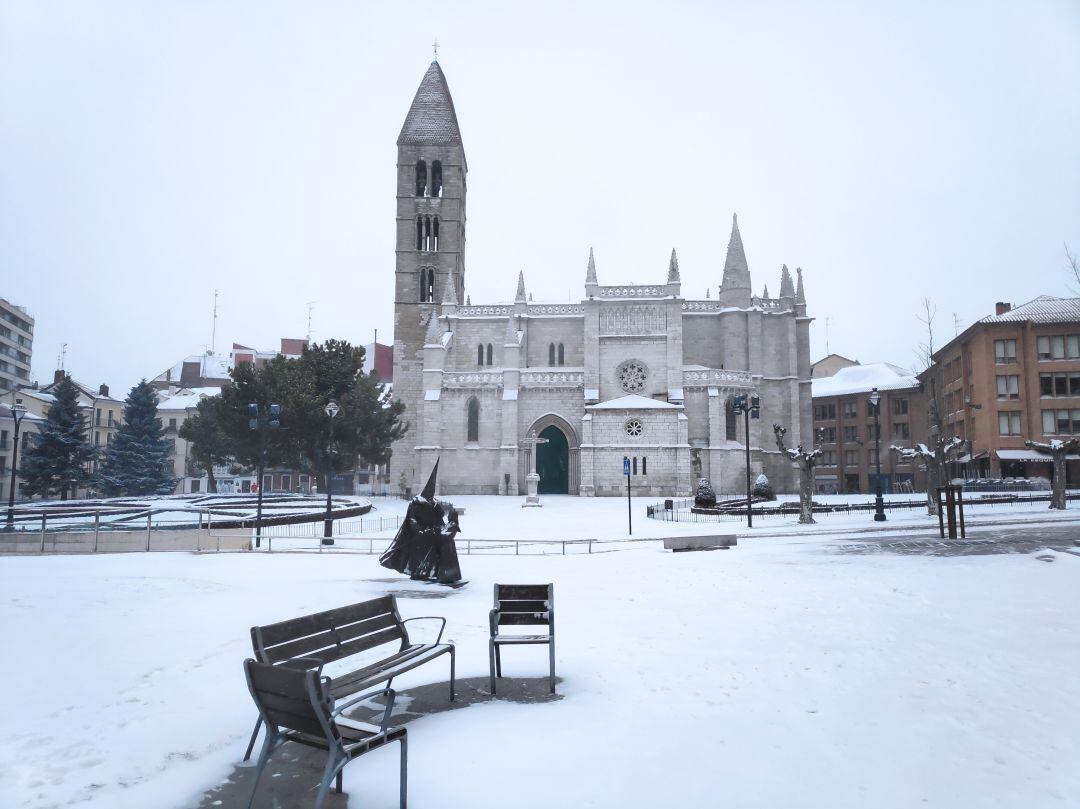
x=429, y=618
x=386, y=713
x=493, y=622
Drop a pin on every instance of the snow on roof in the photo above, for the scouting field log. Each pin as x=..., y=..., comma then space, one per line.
x=633, y=402
x=862, y=379
x=185, y=398
x=1044, y=309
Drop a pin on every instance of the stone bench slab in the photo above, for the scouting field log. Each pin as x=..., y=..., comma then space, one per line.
x=701, y=543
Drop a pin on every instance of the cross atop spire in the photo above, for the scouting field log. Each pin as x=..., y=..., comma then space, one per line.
x=435, y=48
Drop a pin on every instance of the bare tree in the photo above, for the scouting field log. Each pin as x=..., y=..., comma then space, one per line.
x=1072, y=270
x=806, y=460
x=923, y=454
x=1057, y=450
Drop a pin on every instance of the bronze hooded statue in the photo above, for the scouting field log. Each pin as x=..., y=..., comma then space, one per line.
x=424, y=546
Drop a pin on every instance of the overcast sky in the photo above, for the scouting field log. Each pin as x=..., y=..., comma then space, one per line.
x=151, y=152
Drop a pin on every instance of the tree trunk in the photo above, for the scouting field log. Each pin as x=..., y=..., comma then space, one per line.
x=1057, y=498
x=806, y=494
x=933, y=480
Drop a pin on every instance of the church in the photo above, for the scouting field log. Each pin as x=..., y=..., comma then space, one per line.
x=631, y=371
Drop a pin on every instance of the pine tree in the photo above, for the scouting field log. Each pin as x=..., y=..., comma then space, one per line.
x=59, y=456
x=137, y=462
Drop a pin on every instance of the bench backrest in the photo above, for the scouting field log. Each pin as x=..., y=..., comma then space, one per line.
x=525, y=604
x=331, y=635
x=296, y=699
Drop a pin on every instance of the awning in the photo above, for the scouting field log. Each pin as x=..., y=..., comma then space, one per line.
x=978, y=456
x=1030, y=455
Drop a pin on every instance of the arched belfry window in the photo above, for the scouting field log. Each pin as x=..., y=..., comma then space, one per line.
x=421, y=178
x=480, y=354
x=473, y=426
x=419, y=233
x=427, y=284
x=551, y=354
x=562, y=355
x=435, y=233
x=436, y=178
x=489, y=354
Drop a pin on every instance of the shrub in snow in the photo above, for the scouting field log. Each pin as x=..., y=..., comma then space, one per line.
x=705, y=497
x=763, y=489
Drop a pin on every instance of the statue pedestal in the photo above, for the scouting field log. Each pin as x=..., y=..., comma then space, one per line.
x=532, y=499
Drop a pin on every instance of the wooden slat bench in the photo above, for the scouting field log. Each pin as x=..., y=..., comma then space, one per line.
x=358, y=630
x=702, y=543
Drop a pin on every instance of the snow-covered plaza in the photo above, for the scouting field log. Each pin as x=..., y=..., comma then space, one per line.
x=785, y=672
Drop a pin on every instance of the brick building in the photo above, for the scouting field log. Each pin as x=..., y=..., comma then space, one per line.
x=1010, y=377
x=844, y=423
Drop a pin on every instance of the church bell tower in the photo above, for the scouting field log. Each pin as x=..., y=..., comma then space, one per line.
x=431, y=173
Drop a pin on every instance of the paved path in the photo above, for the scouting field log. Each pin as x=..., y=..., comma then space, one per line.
x=981, y=540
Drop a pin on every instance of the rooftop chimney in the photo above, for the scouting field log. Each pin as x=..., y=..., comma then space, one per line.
x=1001, y=307
x=58, y=374
x=103, y=390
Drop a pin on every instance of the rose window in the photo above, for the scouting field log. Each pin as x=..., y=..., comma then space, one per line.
x=634, y=428
x=632, y=375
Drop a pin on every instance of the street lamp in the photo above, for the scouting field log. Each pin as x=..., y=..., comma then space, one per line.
x=749, y=407
x=331, y=410
x=260, y=423
x=879, y=502
x=18, y=413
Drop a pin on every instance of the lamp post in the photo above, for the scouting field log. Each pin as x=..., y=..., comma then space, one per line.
x=260, y=423
x=18, y=413
x=749, y=407
x=879, y=501
x=331, y=410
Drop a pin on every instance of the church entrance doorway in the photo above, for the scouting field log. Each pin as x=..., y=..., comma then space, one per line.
x=553, y=462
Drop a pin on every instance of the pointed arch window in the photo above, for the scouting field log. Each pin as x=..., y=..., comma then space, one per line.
x=419, y=233
x=435, y=233
x=473, y=421
x=436, y=178
x=730, y=423
x=480, y=354
x=421, y=178
x=562, y=355
x=551, y=354
x=427, y=284
x=489, y=353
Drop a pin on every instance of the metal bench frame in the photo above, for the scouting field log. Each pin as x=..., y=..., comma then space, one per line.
x=521, y=605
x=296, y=705
x=337, y=634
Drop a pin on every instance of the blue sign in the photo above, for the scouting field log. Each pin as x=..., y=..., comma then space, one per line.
x=626, y=467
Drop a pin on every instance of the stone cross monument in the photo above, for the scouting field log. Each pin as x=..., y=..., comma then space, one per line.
x=532, y=479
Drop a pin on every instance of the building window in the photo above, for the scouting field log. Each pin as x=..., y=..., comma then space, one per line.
x=851, y=457
x=1059, y=384
x=1008, y=387
x=634, y=428
x=824, y=412
x=562, y=355
x=1061, y=422
x=427, y=284
x=286, y=483
x=268, y=483
x=1009, y=423
x=489, y=353
x=872, y=456
x=730, y=424
x=632, y=375
x=644, y=465
x=635, y=464
x=1004, y=351
x=480, y=354
x=195, y=486
x=551, y=354
x=899, y=407
x=901, y=431
x=473, y=429
x=851, y=434
x=827, y=435
x=828, y=458
x=873, y=433
x=421, y=178
x=436, y=178
x=849, y=408
x=435, y=233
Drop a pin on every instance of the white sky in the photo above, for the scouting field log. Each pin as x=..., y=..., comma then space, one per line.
x=150, y=152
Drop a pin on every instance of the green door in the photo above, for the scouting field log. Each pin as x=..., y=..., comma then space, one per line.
x=553, y=462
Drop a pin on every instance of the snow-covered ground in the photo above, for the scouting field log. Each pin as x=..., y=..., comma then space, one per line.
x=778, y=674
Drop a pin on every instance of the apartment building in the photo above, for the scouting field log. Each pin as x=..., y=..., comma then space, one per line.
x=844, y=425
x=16, y=345
x=1010, y=377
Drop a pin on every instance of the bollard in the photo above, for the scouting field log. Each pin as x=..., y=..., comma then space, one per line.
x=148, y=533
x=97, y=528
x=43, y=533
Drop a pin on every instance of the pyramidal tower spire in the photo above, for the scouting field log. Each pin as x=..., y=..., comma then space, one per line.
x=590, y=274
x=520, y=296
x=673, y=268
x=432, y=118
x=735, y=286
x=787, y=289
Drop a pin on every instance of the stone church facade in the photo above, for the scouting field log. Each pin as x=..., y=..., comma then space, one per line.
x=630, y=371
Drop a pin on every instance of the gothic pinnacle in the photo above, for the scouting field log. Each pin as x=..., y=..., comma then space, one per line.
x=520, y=296
x=800, y=293
x=590, y=274
x=673, y=268
x=787, y=289
x=450, y=292
x=432, y=338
